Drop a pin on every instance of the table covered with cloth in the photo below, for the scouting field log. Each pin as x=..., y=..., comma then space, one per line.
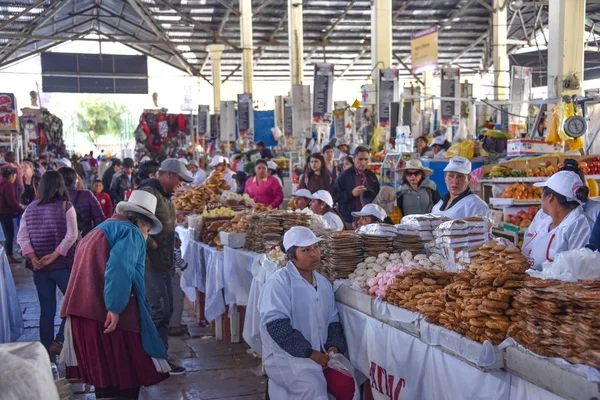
x=237, y=273
x=11, y=318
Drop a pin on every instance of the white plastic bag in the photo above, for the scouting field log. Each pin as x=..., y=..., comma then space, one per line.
x=341, y=364
x=571, y=266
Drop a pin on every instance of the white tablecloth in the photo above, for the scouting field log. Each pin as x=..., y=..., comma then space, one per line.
x=11, y=319
x=215, y=282
x=400, y=366
x=237, y=272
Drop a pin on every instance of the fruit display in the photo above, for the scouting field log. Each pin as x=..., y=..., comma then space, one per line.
x=378, y=157
x=593, y=186
x=196, y=198
x=501, y=171
x=522, y=218
x=219, y=212
x=589, y=167
x=520, y=191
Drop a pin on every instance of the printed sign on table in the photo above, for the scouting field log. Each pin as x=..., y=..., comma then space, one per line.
x=8, y=112
x=424, y=50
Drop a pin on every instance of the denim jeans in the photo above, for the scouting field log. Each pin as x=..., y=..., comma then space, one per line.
x=159, y=294
x=8, y=227
x=46, y=283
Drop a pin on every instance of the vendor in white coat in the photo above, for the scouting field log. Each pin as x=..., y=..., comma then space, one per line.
x=302, y=199
x=438, y=147
x=459, y=202
x=300, y=325
x=219, y=163
x=322, y=204
x=564, y=225
x=370, y=214
x=197, y=173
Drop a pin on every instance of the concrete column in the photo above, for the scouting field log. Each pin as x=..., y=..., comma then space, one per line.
x=296, y=40
x=381, y=33
x=499, y=55
x=565, y=49
x=246, y=40
x=215, y=51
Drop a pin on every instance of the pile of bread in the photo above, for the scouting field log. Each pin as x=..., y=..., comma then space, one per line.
x=216, y=182
x=239, y=223
x=195, y=199
x=560, y=319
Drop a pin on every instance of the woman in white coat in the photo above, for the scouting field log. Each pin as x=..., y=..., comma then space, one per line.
x=322, y=204
x=564, y=225
x=220, y=164
x=459, y=202
x=300, y=326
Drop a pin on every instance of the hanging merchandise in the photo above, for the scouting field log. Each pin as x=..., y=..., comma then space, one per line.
x=564, y=118
x=159, y=133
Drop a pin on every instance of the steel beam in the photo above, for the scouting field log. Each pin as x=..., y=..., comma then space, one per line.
x=228, y=6
x=19, y=15
x=221, y=27
x=258, y=9
x=468, y=49
x=357, y=59
x=403, y=7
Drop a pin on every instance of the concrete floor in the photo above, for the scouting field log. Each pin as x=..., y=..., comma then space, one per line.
x=215, y=370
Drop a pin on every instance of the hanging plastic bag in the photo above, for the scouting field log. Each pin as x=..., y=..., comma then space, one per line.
x=341, y=364
x=553, y=137
x=377, y=141
x=464, y=149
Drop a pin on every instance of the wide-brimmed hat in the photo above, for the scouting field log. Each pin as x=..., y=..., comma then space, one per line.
x=416, y=164
x=144, y=203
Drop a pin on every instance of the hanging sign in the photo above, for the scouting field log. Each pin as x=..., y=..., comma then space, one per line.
x=450, y=88
x=323, y=92
x=340, y=118
x=388, y=93
x=288, y=126
x=520, y=92
x=245, y=115
x=203, y=118
x=301, y=120
x=8, y=112
x=424, y=50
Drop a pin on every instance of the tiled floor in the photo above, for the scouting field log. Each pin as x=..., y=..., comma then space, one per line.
x=215, y=370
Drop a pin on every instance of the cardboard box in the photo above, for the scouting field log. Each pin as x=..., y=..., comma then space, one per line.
x=521, y=147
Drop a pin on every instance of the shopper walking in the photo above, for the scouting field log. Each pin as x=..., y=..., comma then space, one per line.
x=115, y=345
x=31, y=181
x=107, y=177
x=317, y=177
x=264, y=189
x=89, y=212
x=47, y=237
x=9, y=209
x=352, y=183
x=122, y=181
x=417, y=194
x=10, y=161
x=334, y=168
x=161, y=246
x=103, y=198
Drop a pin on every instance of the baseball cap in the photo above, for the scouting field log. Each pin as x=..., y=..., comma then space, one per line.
x=64, y=161
x=565, y=183
x=302, y=193
x=194, y=163
x=324, y=196
x=371, y=210
x=271, y=165
x=341, y=142
x=216, y=161
x=459, y=164
x=439, y=140
x=184, y=161
x=299, y=236
x=175, y=166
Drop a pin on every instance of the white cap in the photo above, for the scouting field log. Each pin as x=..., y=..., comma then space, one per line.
x=324, y=196
x=439, y=140
x=271, y=165
x=227, y=160
x=565, y=183
x=184, y=161
x=302, y=193
x=459, y=164
x=299, y=236
x=371, y=210
x=64, y=161
x=216, y=161
x=341, y=142
x=194, y=163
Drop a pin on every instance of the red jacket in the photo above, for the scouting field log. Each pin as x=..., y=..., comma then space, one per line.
x=8, y=198
x=105, y=203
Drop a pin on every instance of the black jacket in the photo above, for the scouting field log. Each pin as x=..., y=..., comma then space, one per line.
x=341, y=191
x=119, y=185
x=107, y=179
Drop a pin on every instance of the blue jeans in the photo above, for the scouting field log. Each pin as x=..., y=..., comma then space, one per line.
x=46, y=283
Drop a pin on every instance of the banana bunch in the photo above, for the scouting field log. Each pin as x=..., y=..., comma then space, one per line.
x=219, y=212
x=500, y=171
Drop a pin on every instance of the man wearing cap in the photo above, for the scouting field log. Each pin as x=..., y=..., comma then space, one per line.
x=563, y=224
x=352, y=183
x=302, y=198
x=370, y=214
x=197, y=173
x=122, y=181
x=300, y=328
x=459, y=202
x=160, y=247
x=322, y=204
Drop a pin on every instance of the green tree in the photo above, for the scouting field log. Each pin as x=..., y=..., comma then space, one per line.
x=97, y=116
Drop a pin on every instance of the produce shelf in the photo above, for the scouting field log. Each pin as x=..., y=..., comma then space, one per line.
x=531, y=179
x=500, y=202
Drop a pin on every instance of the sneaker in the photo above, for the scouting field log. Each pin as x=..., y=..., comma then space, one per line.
x=55, y=348
x=176, y=370
x=177, y=331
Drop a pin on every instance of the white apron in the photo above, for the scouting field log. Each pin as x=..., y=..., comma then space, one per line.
x=468, y=206
x=540, y=245
x=334, y=221
x=287, y=295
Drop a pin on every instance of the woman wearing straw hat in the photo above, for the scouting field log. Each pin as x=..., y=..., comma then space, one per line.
x=110, y=339
x=417, y=194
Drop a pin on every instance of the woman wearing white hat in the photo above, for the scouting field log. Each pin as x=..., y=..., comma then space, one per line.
x=322, y=204
x=110, y=339
x=219, y=163
x=302, y=198
x=565, y=225
x=459, y=202
x=439, y=145
x=417, y=194
x=274, y=171
x=370, y=214
x=300, y=326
